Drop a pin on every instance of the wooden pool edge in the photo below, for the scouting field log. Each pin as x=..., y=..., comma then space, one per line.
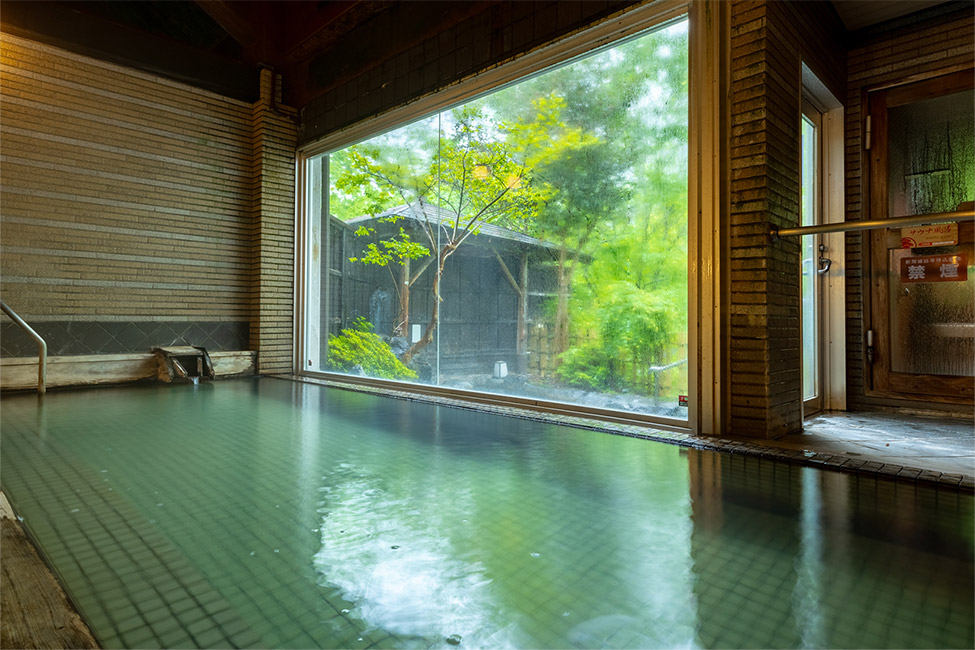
x=36, y=610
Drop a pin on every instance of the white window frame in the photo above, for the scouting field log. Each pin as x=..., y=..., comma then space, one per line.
x=833, y=210
x=707, y=42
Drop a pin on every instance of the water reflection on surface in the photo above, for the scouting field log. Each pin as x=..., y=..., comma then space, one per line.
x=404, y=575
x=805, y=558
x=326, y=518
x=559, y=537
x=510, y=536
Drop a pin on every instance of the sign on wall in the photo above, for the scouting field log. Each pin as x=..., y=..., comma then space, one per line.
x=941, y=234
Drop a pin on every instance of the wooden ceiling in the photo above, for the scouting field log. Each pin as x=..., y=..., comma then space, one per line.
x=858, y=14
x=217, y=44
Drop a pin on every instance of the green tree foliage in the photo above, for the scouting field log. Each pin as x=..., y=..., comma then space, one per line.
x=630, y=327
x=477, y=177
x=588, y=184
x=393, y=250
x=386, y=171
x=359, y=346
x=591, y=157
x=617, y=208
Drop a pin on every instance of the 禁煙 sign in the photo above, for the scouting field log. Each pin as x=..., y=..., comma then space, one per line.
x=934, y=268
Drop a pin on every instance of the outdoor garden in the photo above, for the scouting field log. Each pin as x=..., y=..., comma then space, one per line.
x=532, y=241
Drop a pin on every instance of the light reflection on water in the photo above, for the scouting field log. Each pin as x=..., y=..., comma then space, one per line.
x=510, y=537
x=808, y=591
x=509, y=532
x=399, y=569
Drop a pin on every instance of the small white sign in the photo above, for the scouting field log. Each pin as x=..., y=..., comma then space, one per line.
x=941, y=234
x=416, y=333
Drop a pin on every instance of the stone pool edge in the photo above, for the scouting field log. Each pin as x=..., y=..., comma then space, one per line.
x=837, y=462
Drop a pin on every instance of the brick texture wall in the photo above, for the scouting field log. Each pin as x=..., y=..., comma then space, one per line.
x=769, y=42
x=273, y=215
x=924, y=44
x=418, y=48
x=133, y=207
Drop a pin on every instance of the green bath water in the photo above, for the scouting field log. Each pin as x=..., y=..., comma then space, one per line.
x=268, y=513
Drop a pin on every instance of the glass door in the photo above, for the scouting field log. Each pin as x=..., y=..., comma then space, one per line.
x=922, y=161
x=814, y=263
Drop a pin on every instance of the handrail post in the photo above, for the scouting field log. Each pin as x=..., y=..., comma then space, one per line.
x=41, y=346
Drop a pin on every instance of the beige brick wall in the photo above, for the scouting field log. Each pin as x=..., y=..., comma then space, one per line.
x=273, y=213
x=769, y=42
x=132, y=199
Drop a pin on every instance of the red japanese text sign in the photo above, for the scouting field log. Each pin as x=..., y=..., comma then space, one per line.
x=934, y=268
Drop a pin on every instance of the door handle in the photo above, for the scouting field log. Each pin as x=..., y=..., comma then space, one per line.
x=824, y=262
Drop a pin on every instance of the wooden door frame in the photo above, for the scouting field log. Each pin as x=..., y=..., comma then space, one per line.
x=881, y=381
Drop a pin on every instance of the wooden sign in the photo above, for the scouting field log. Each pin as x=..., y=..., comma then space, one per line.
x=934, y=268
x=939, y=234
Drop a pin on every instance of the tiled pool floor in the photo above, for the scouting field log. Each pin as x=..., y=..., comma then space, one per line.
x=578, y=540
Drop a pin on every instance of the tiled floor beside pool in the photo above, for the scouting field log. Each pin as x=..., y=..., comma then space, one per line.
x=279, y=514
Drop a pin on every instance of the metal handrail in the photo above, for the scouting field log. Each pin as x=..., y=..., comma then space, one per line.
x=849, y=226
x=41, y=346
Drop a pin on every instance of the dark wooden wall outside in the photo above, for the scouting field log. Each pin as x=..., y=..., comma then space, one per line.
x=478, y=309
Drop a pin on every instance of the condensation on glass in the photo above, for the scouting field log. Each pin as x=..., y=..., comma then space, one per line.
x=931, y=159
x=931, y=168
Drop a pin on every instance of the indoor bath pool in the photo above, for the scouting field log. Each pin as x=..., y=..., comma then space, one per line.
x=270, y=513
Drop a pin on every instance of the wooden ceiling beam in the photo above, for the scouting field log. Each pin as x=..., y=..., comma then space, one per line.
x=309, y=26
x=225, y=14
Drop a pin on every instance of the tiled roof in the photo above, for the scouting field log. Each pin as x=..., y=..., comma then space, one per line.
x=434, y=215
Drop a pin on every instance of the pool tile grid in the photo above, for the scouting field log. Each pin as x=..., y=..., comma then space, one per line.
x=134, y=589
x=759, y=589
x=279, y=621
x=838, y=462
x=768, y=595
x=755, y=589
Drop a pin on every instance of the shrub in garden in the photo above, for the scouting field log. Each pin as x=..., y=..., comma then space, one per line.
x=360, y=346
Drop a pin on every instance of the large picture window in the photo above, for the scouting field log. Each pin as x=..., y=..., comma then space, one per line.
x=532, y=242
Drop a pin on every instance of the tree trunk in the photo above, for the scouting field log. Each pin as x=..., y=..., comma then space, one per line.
x=521, y=343
x=402, y=326
x=435, y=314
x=565, y=270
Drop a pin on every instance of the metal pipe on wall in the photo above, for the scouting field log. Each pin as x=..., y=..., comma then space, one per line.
x=849, y=226
x=41, y=346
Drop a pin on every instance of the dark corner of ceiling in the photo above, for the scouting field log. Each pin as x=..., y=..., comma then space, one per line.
x=176, y=39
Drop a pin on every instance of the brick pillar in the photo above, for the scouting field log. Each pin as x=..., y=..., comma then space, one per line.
x=764, y=337
x=273, y=214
